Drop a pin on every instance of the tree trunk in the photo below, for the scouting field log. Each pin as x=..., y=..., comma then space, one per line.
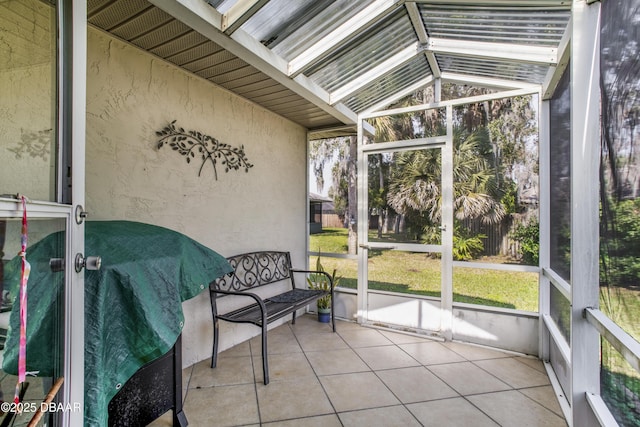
x=352, y=195
x=494, y=146
x=381, y=184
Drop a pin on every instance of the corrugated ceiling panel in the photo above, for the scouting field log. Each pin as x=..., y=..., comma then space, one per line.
x=176, y=50
x=212, y=55
x=258, y=88
x=140, y=23
x=319, y=26
x=289, y=28
x=279, y=18
x=161, y=35
x=492, y=68
x=388, y=85
x=144, y=23
x=224, y=71
x=279, y=99
x=95, y=5
x=251, y=82
x=524, y=25
x=109, y=16
x=365, y=52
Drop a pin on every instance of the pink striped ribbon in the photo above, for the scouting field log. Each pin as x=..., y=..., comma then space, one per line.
x=24, y=278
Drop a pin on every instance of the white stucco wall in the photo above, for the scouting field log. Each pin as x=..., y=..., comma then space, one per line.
x=130, y=96
x=27, y=110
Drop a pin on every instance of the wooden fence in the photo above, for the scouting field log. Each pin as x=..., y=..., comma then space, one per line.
x=498, y=240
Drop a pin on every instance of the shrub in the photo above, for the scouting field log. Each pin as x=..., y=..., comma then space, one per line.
x=466, y=247
x=529, y=238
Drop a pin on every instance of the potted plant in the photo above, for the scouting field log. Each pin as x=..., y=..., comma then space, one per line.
x=321, y=282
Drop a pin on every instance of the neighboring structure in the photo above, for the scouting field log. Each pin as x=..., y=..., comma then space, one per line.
x=316, y=203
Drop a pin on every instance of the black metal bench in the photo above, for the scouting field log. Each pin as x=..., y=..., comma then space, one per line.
x=253, y=270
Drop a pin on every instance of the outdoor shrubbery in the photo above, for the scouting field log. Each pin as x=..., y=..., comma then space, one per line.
x=529, y=238
x=620, y=246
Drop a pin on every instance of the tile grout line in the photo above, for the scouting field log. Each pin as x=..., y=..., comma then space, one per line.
x=255, y=380
x=380, y=379
x=335, y=412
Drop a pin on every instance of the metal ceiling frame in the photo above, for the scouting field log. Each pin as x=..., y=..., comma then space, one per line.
x=225, y=29
x=423, y=37
x=240, y=13
x=555, y=73
x=206, y=20
x=388, y=66
x=490, y=50
x=352, y=27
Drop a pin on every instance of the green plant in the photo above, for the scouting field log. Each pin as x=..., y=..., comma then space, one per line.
x=321, y=282
x=466, y=247
x=529, y=238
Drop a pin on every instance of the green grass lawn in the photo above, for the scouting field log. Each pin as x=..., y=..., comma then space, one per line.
x=620, y=382
x=419, y=273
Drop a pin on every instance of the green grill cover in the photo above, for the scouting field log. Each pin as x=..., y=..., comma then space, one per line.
x=133, y=311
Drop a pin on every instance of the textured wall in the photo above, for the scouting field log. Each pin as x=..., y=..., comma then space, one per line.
x=131, y=95
x=27, y=110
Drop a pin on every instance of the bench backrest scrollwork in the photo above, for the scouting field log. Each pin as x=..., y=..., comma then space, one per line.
x=254, y=269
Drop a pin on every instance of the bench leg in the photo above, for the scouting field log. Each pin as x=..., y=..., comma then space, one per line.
x=293, y=319
x=214, y=352
x=265, y=365
x=180, y=419
x=333, y=319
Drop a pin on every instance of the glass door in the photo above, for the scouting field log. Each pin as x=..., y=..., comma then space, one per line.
x=42, y=129
x=402, y=262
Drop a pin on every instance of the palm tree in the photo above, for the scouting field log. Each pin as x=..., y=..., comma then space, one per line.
x=415, y=182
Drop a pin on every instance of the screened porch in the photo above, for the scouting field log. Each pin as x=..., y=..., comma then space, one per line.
x=480, y=157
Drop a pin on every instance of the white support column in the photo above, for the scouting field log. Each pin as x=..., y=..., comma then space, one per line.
x=544, y=297
x=585, y=136
x=363, y=224
x=446, y=298
x=72, y=95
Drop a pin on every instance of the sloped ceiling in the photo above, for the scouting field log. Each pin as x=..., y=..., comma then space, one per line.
x=321, y=62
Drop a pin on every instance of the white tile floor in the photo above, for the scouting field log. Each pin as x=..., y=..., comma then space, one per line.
x=366, y=377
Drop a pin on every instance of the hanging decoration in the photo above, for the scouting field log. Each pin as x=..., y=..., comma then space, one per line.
x=193, y=144
x=24, y=278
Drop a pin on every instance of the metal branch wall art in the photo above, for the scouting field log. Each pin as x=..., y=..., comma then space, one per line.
x=193, y=144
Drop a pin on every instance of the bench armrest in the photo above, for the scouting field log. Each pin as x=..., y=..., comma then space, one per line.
x=258, y=300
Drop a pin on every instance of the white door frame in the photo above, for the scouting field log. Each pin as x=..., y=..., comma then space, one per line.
x=445, y=144
x=446, y=247
x=72, y=122
x=71, y=58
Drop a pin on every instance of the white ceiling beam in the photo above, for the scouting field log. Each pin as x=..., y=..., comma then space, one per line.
x=423, y=37
x=487, y=81
x=460, y=101
x=240, y=13
x=416, y=21
x=515, y=3
x=513, y=52
x=337, y=131
x=433, y=63
x=401, y=94
x=555, y=73
x=391, y=64
x=356, y=24
x=334, y=131
x=207, y=21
